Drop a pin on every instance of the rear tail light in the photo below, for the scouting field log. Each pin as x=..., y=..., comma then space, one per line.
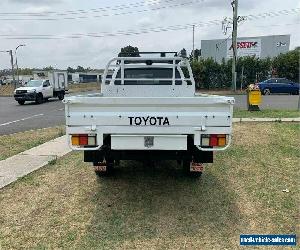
x=83, y=140
x=214, y=140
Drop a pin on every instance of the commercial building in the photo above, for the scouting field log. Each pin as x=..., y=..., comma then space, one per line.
x=85, y=77
x=261, y=47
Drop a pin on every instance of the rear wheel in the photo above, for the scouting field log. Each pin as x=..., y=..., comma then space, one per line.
x=60, y=95
x=21, y=102
x=267, y=92
x=39, y=98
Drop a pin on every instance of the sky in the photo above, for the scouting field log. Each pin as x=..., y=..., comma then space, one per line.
x=69, y=17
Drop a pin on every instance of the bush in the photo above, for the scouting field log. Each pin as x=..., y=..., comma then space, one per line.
x=209, y=74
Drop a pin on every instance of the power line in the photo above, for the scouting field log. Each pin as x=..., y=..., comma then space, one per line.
x=117, y=33
x=80, y=11
x=124, y=33
x=273, y=14
x=277, y=25
x=103, y=15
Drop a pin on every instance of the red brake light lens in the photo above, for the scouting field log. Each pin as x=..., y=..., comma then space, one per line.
x=213, y=141
x=83, y=140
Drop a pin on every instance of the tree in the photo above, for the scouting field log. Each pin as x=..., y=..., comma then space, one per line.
x=48, y=68
x=183, y=52
x=71, y=70
x=129, y=51
x=197, y=54
x=25, y=71
x=80, y=69
x=287, y=65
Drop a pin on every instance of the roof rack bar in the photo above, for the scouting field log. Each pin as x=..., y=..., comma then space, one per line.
x=162, y=53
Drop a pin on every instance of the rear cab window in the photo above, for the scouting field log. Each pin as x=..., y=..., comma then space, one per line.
x=148, y=76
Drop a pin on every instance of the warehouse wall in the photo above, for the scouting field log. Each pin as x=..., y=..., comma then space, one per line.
x=271, y=46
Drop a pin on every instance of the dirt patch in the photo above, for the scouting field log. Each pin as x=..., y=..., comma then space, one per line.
x=82, y=87
x=6, y=90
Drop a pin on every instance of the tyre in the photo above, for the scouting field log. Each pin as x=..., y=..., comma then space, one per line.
x=296, y=92
x=60, y=96
x=21, y=102
x=46, y=99
x=39, y=98
x=266, y=92
x=186, y=168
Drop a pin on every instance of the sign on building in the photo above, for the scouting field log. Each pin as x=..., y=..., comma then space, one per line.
x=245, y=47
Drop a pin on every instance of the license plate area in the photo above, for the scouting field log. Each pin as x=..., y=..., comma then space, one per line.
x=196, y=167
x=149, y=141
x=100, y=168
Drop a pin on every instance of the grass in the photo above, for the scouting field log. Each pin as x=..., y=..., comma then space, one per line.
x=81, y=87
x=64, y=205
x=16, y=143
x=270, y=113
x=221, y=92
x=6, y=90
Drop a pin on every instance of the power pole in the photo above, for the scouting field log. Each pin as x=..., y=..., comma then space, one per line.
x=234, y=38
x=21, y=45
x=193, y=43
x=12, y=67
x=299, y=92
x=242, y=78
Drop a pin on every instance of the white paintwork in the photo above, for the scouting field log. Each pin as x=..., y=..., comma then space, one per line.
x=160, y=142
x=110, y=89
x=47, y=91
x=58, y=79
x=58, y=82
x=111, y=111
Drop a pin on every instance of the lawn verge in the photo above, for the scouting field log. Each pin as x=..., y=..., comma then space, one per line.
x=221, y=92
x=16, y=143
x=252, y=188
x=82, y=87
x=265, y=113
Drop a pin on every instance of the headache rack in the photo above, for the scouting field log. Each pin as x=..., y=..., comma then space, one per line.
x=138, y=54
x=180, y=70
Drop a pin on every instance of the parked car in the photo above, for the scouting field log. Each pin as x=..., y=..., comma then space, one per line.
x=278, y=85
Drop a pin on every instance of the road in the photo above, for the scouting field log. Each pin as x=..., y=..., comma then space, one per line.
x=16, y=118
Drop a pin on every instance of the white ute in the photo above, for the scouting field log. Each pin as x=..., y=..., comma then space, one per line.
x=43, y=87
x=148, y=110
